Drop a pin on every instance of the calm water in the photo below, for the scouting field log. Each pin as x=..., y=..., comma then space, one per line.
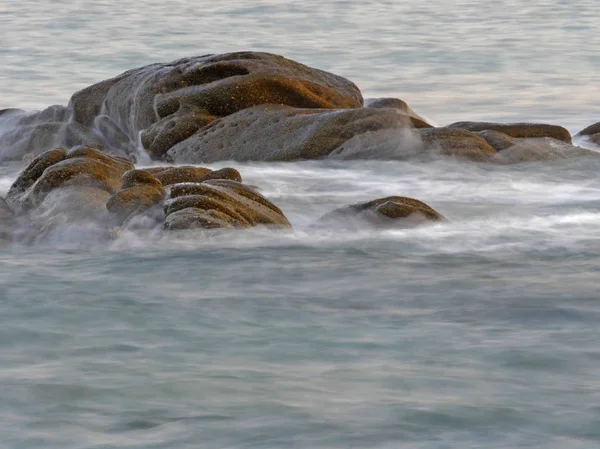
x=481, y=332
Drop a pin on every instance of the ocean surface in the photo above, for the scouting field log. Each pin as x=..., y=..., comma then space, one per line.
x=479, y=332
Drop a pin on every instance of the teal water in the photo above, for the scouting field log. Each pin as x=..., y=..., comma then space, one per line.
x=479, y=332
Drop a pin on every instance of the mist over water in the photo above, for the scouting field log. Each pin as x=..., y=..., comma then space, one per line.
x=477, y=332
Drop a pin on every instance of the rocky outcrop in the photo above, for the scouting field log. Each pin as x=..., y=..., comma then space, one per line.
x=388, y=212
x=169, y=102
x=520, y=130
x=274, y=133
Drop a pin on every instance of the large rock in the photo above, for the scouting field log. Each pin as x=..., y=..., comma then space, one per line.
x=220, y=204
x=169, y=102
x=79, y=167
x=401, y=144
x=275, y=133
x=388, y=212
x=522, y=130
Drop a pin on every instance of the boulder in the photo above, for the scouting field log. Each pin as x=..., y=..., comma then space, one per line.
x=522, y=130
x=169, y=102
x=398, y=144
x=388, y=212
x=220, y=203
x=79, y=167
x=276, y=133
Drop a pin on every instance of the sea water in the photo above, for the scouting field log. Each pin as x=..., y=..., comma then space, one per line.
x=478, y=332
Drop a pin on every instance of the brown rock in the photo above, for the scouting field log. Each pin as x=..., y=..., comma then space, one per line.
x=79, y=167
x=521, y=130
x=220, y=201
x=274, y=133
x=392, y=211
x=456, y=142
x=169, y=102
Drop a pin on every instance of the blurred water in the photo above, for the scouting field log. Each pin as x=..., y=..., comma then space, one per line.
x=478, y=332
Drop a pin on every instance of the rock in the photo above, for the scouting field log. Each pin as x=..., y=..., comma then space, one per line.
x=275, y=133
x=521, y=130
x=402, y=144
x=457, y=143
x=58, y=168
x=396, y=103
x=540, y=149
x=169, y=102
x=388, y=212
x=220, y=204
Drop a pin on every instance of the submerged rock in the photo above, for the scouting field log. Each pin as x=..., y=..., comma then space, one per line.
x=521, y=130
x=275, y=133
x=388, y=212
